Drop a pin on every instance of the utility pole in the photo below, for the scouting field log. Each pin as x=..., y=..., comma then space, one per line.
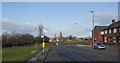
x=93, y=24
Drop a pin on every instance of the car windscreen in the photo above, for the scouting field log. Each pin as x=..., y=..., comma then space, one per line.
x=99, y=43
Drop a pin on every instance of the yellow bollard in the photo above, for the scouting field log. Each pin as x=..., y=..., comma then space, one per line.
x=43, y=49
x=43, y=45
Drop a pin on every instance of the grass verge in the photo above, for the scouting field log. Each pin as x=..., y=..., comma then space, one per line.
x=17, y=53
x=53, y=44
x=77, y=42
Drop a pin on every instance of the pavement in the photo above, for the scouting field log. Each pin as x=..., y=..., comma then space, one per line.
x=37, y=57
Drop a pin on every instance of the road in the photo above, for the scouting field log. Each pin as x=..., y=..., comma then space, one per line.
x=80, y=53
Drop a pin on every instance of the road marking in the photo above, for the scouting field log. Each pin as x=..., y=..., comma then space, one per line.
x=68, y=55
x=33, y=59
x=81, y=45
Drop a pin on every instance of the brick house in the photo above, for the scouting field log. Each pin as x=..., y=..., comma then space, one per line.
x=107, y=34
x=97, y=33
x=112, y=32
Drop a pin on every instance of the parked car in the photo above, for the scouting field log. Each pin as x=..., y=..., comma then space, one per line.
x=98, y=46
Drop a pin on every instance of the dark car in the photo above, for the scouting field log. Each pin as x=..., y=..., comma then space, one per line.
x=98, y=46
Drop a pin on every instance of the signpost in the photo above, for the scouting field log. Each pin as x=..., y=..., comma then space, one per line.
x=43, y=43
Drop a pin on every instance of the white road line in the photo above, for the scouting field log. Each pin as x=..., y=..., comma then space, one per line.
x=81, y=45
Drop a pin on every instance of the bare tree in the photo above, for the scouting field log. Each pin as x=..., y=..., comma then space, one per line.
x=40, y=29
x=60, y=36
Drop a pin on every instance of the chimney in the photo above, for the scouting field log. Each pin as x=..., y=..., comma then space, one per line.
x=113, y=20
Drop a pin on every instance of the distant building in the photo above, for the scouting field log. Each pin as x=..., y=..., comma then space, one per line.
x=84, y=39
x=56, y=38
x=51, y=39
x=107, y=34
x=71, y=38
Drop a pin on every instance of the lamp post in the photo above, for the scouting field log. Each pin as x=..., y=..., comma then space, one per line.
x=75, y=32
x=93, y=24
x=76, y=28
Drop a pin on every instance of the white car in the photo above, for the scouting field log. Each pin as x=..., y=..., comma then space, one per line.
x=98, y=45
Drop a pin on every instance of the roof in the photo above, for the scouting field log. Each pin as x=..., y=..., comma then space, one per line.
x=52, y=38
x=100, y=27
x=114, y=25
x=57, y=37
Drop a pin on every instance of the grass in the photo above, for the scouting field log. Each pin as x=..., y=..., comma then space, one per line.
x=46, y=44
x=17, y=53
x=61, y=44
x=38, y=44
x=52, y=44
x=77, y=42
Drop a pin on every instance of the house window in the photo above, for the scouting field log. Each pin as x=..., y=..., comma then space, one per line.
x=106, y=39
x=105, y=31
x=102, y=32
x=109, y=30
x=114, y=39
x=95, y=39
x=115, y=30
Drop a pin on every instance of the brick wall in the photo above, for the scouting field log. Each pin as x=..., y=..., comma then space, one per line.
x=97, y=36
x=112, y=34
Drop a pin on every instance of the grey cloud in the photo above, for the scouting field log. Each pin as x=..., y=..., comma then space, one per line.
x=9, y=26
x=79, y=31
x=102, y=19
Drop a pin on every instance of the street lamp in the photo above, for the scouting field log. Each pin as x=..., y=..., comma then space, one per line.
x=93, y=23
x=75, y=30
x=75, y=25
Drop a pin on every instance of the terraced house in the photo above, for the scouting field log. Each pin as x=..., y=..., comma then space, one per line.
x=108, y=34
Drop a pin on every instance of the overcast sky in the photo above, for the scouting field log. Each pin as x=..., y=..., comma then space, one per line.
x=58, y=16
